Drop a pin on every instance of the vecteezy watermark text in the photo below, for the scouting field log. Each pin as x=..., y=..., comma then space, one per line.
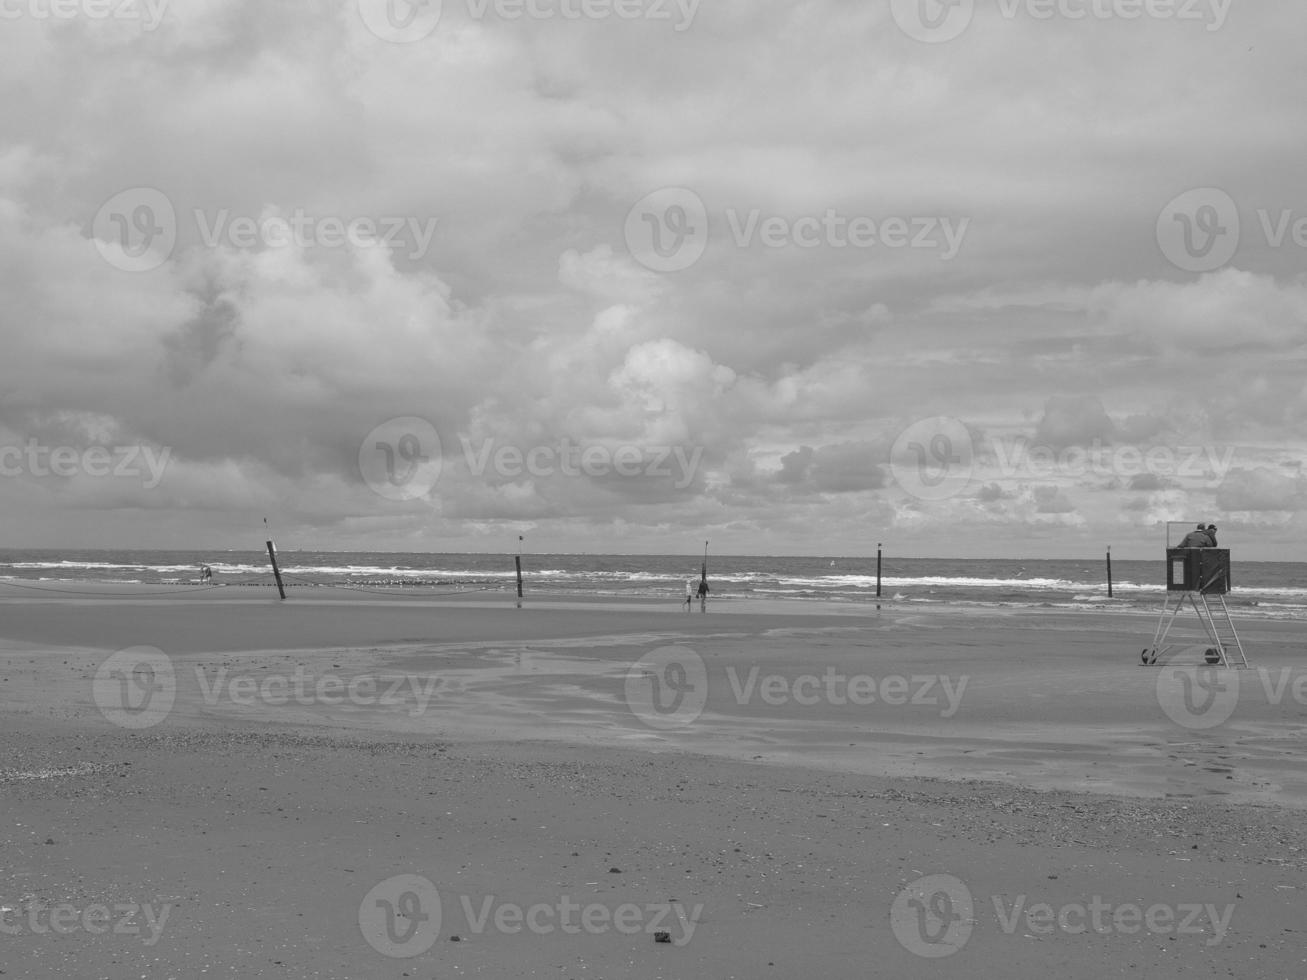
x=834, y=230
x=96, y=919
x=1023, y=457
x=571, y=917
x=668, y=230
x=401, y=459
x=407, y=21
x=570, y=459
x=937, y=458
x=137, y=230
x=150, y=13
x=304, y=230
x=838, y=689
x=402, y=917
x=308, y=689
x=1103, y=917
x=680, y=13
x=667, y=688
x=936, y=915
x=33, y=458
x=137, y=687
x=938, y=21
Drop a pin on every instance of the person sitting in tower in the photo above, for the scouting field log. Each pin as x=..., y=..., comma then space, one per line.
x=1197, y=539
x=1211, y=534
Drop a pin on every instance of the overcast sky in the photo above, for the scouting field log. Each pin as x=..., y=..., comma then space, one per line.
x=625, y=275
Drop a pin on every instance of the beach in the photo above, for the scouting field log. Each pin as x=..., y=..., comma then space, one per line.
x=339, y=785
x=386, y=383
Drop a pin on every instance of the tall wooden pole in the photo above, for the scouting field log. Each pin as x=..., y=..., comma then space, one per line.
x=1109, y=571
x=276, y=572
x=877, y=569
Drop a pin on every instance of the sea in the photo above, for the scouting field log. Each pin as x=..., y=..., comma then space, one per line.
x=1271, y=589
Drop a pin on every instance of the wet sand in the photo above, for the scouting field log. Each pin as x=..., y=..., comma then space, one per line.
x=817, y=761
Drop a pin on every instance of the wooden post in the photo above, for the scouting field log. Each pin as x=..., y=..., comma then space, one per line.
x=1109, y=571
x=518, y=561
x=276, y=572
x=877, y=569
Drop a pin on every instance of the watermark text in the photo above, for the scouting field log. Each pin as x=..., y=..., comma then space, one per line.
x=33, y=458
x=149, y=13
x=96, y=919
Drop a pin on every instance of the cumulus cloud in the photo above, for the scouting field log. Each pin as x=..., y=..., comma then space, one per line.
x=1227, y=310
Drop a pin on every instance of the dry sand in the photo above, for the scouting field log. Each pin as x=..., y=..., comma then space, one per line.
x=297, y=760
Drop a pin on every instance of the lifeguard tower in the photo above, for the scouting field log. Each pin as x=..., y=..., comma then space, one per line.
x=1200, y=577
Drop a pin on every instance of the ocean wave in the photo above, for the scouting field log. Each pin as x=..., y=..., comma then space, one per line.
x=1267, y=588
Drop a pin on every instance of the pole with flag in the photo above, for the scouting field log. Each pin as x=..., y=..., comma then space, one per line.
x=703, y=581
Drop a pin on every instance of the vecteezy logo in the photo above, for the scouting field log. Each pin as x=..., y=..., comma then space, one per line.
x=933, y=459
x=135, y=688
x=136, y=229
x=401, y=459
x=933, y=916
x=668, y=687
x=400, y=21
x=1199, y=230
x=933, y=21
x=667, y=231
x=401, y=916
x=1198, y=697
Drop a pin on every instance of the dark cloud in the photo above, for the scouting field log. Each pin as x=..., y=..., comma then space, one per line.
x=840, y=468
x=1147, y=481
x=1261, y=489
x=1074, y=420
x=1051, y=500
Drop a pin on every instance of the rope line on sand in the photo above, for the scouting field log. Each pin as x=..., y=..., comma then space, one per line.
x=345, y=587
x=291, y=580
x=249, y=582
x=416, y=595
x=119, y=595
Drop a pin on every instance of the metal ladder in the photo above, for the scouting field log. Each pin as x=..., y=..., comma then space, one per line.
x=1220, y=627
